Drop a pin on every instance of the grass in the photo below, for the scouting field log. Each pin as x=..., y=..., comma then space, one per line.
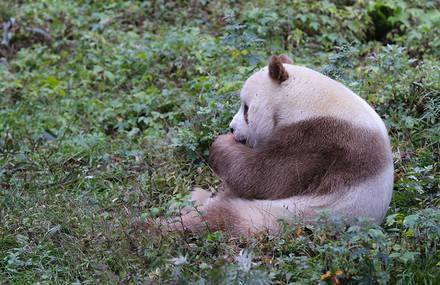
x=108, y=109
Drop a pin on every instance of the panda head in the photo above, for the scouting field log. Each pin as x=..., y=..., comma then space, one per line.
x=259, y=113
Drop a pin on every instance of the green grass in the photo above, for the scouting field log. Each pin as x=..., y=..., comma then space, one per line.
x=108, y=113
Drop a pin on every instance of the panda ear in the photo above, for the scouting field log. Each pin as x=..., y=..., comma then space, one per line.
x=276, y=69
x=285, y=59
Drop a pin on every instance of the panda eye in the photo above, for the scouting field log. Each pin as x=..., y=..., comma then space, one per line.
x=246, y=109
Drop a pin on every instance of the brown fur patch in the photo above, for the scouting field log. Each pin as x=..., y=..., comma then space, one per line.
x=276, y=69
x=317, y=156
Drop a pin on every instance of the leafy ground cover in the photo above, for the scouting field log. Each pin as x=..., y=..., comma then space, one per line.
x=108, y=108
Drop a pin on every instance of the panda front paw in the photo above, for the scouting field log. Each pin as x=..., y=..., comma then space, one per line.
x=225, y=140
x=221, y=152
x=223, y=144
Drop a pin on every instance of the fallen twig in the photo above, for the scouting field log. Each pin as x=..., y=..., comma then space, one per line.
x=7, y=35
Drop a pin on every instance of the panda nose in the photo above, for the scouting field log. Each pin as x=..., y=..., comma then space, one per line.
x=232, y=130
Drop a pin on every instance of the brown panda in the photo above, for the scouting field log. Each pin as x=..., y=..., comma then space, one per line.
x=302, y=142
